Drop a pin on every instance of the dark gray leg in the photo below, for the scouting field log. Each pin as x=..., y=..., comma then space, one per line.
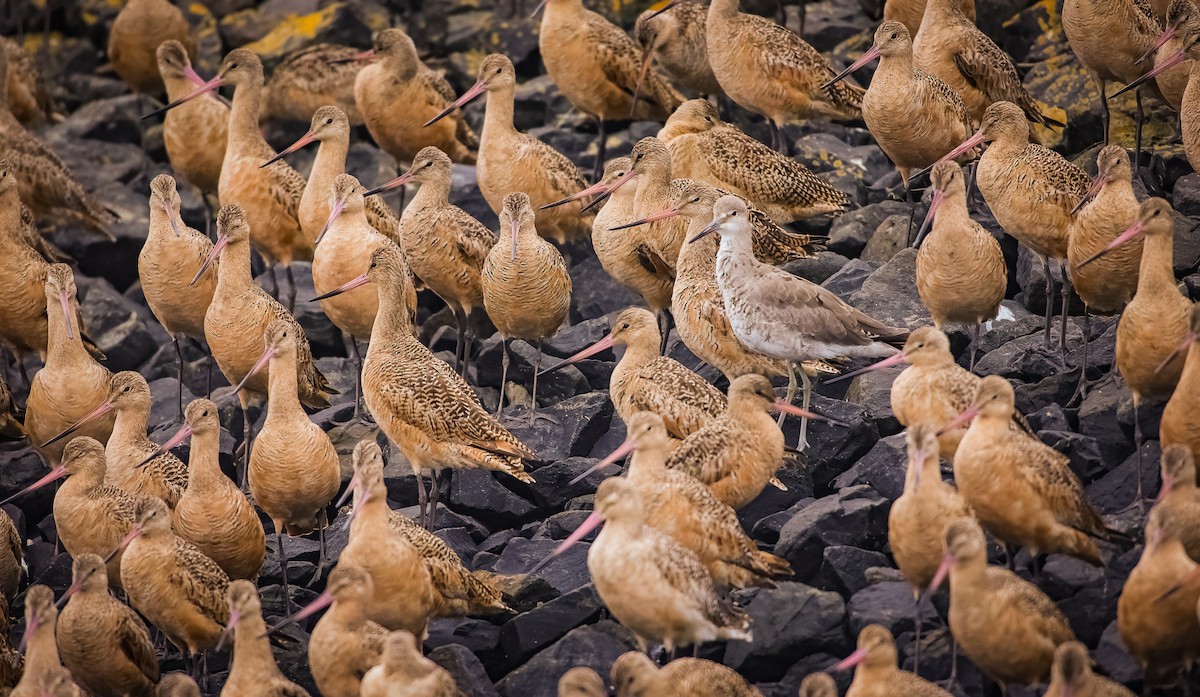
x=283, y=565
x=503, y=377
x=179, y=363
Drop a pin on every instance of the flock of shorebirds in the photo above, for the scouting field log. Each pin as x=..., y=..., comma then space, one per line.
x=182, y=544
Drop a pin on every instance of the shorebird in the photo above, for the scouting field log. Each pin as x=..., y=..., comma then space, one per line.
x=136, y=33
x=404, y=672
x=643, y=380
x=1032, y=191
x=678, y=41
x=71, y=383
x=42, y=663
x=911, y=13
x=1170, y=50
x=178, y=685
x=1108, y=281
x=1179, y=495
x=10, y=415
x=1156, y=320
x=581, y=682
x=313, y=77
x=171, y=583
x=818, y=685
x=961, y=273
x=951, y=48
x=785, y=316
x=1006, y=625
x=422, y=405
x=595, y=65
x=769, y=70
x=1072, y=675
x=994, y=460
x=1156, y=613
x=172, y=255
x=526, y=288
x=650, y=583
x=1178, y=424
x=195, y=133
x=12, y=559
x=294, y=471
x=213, y=514
x=403, y=595
x=513, y=161
x=875, y=671
x=252, y=670
x=103, y=642
x=25, y=92
x=914, y=116
x=444, y=245
x=704, y=147
x=399, y=96
x=635, y=675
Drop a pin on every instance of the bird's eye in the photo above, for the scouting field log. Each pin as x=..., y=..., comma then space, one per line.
x=895, y=35
x=625, y=326
x=374, y=264
x=708, y=119
x=328, y=121
x=429, y=164
x=233, y=67
x=696, y=200
x=733, y=213
x=497, y=71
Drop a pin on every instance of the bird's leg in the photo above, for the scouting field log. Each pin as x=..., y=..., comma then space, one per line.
x=503, y=376
x=1137, y=131
x=1049, y=300
x=973, y=347
x=422, y=502
x=1082, y=389
x=953, y=664
x=208, y=388
x=1138, y=439
x=534, y=414
x=461, y=320
x=247, y=428
x=283, y=564
x=1104, y=116
x=1065, y=292
x=274, y=281
x=358, y=367
x=323, y=523
x=435, y=493
x=912, y=212
x=291, y=303
x=791, y=390
x=802, y=444
x=601, y=149
x=665, y=322
x=179, y=363
x=1010, y=557
x=917, y=639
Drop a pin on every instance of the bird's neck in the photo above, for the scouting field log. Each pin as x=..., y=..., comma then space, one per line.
x=432, y=194
x=41, y=651
x=328, y=164
x=900, y=64
x=233, y=269
x=130, y=424
x=647, y=464
x=59, y=346
x=251, y=648
x=243, y=120
x=498, y=113
x=160, y=222
x=392, y=317
x=953, y=215
x=1156, y=272
x=723, y=8
x=282, y=397
x=10, y=217
x=204, y=468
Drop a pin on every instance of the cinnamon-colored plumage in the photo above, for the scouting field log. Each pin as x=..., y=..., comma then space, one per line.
x=910, y=13
x=818, y=685
x=194, y=133
x=12, y=561
x=252, y=671
x=581, y=682
x=1179, y=496
x=1180, y=424
x=25, y=93
x=404, y=672
x=1109, y=281
x=311, y=78
x=1182, y=27
x=678, y=41
x=345, y=644
x=635, y=675
x=43, y=671
x=136, y=33
x=876, y=673
x=1072, y=675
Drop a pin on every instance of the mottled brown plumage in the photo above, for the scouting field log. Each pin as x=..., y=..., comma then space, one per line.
x=136, y=33
x=345, y=644
x=43, y=670
x=177, y=685
x=678, y=41
x=252, y=670
x=1072, y=675
x=12, y=561
x=128, y=447
x=910, y=13
x=1183, y=25
x=24, y=92
x=311, y=78
x=876, y=673
x=194, y=133
x=635, y=675
x=1109, y=282
x=1180, y=424
x=23, y=273
x=581, y=682
x=1179, y=498
x=818, y=685
x=404, y=672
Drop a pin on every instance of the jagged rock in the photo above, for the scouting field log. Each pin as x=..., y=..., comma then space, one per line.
x=552, y=387
x=564, y=574
x=890, y=237
x=872, y=391
x=580, y=422
x=846, y=281
x=481, y=494
x=823, y=152
x=119, y=327
x=1117, y=489
x=465, y=668
x=833, y=448
x=594, y=646
x=530, y=632
x=819, y=268
x=889, y=604
x=850, y=233
x=844, y=568
x=553, y=489
x=890, y=294
x=593, y=294
x=853, y=516
x=883, y=468
x=788, y=621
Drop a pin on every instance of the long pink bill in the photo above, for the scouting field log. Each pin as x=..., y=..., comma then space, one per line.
x=596, y=189
x=393, y=184
x=1092, y=190
x=172, y=217
x=515, y=231
x=939, y=197
x=74, y=588
x=30, y=628
x=64, y=299
x=193, y=77
x=617, y=184
x=1161, y=41
x=180, y=437
x=1178, y=351
x=589, y=524
x=1165, y=488
x=615, y=456
x=666, y=7
x=475, y=90
x=647, y=59
x=871, y=54
x=706, y=231
x=263, y=361
x=356, y=58
x=786, y=407
x=1130, y=233
x=350, y=489
x=227, y=633
x=897, y=358
x=303, y=140
x=356, y=282
x=53, y=476
x=961, y=420
x=319, y=603
x=135, y=531
x=222, y=243
x=605, y=343
x=939, y=577
x=334, y=212
x=1171, y=61
x=101, y=409
x=200, y=91
x=850, y=661
x=961, y=149
x=653, y=217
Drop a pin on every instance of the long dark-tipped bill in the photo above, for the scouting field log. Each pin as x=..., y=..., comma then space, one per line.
x=708, y=230
x=590, y=523
x=653, y=217
x=64, y=299
x=895, y=359
x=184, y=432
x=786, y=407
x=135, y=531
x=227, y=632
x=1130, y=233
x=1171, y=61
x=622, y=450
x=850, y=661
x=222, y=243
x=1092, y=190
x=262, y=362
x=538, y=10
x=1162, y=39
x=961, y=420
x=353, y=283
x=475, y=90
x=871, y=54
x=1176, y=352
x=319, y=603
x=594, y=190
x=200, y=91
x=54, y=475
x=333, y=215
x=617, y=184
x=392, y=184
x=300, y=143
x=939, y=576
x=101, y=409
x=939, y=197
x=666, y=7
x=350, y=489
x=360, y=56
x=605, y=343
x=960, y=150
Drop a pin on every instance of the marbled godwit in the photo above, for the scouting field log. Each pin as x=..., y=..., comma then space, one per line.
x=125, y=453
x=1072, y=675
x=1172, y=64
x=635, y=675
x=136, y=33
x=704, y=147
x=736, y=454
x=404, y=672
x=42, y=663
x=1160, y=629
x=172, y=583
x=1106, y=283
x=595, y=65
x=1156, y=320
x=769, y=70
x=213, y=514
x=458, y=591
x=422, y=405
x=45, y=182
x=910, y=13
x=581, y=682
x=71, y=383
x=313, y=77
x=172, y=255
x=645, y=381
x=294, y=471
x=818, y=685
x=399, y=97
x=918, y=517
x=331, y=128
x=679, y=42
x=12, y=558
x=403, y=594
x=1032, y=191
x=785, y=316
x=27, y=97
x=103, y=642
x=239, y=315
x=915, y=117
x=875, y=671
x=178, y=685
x=1006, y=625
x=951, y=48
x=270, y=196
x=993, y=459
x=513, y=161
x=252, y=671
x=345, y=245
x=200, y=121
x=526, y=288
x=1179, y=497
x=961, y=274
x=10, y=414
x=1179, y=423
x=345, y=644
x=656, y=587
x=445, y=246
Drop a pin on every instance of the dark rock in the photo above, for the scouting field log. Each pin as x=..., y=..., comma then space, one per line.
x=795, y=476
x=523, y=359
x=595, y=646
x=280, y=27
x=817, y=268
x=1116, y=490
x=890, y=237
x=850, y=233
x=593, y=293
x=564, y=574
x=480, y=493
x=883, y=468
x=1048, y=418
x=788, y=621
x=1084, y=452
x=833, y=448
x=1185, y=197
x=1112, y=655
x=844, y=568
x=473, y=636
x=324, y=338
x=824, y=152
x=560, y=525
x=889, y=604
x=890, y=294
x=119, y=327
x=465, y=668
x=164, y=401
x=853, y=516
x=581, y=421
x=22, y=468
x=553, y=488
x=872, y=391
x=847, y=281
x=109, y=120
x=531, y=632
x=1024, y=357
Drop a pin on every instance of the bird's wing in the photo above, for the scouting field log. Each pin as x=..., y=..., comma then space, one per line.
x=557, y=167
x=135, y=643
x=750, y=166
x=205, y=583
x=986, y=66
x=475, y=240
x=699, y=455
x=435, y=83
x=1049, y=472
x=1012, y=591
x=681, y=397
x=789, y=301
x=1060, y=181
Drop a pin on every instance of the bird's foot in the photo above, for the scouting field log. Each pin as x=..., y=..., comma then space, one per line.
x=535, y=416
